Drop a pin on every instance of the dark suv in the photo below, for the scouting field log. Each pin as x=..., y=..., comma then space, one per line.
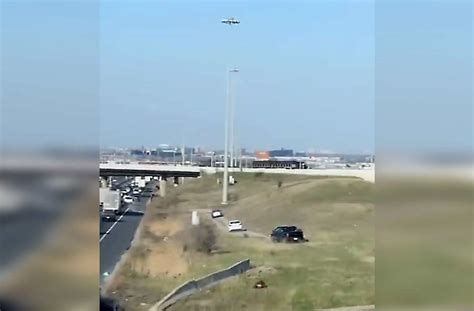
x=287, y=234
x=108, y=216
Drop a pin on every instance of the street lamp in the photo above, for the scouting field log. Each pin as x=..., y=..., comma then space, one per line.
x=225, y=182
x=232, y=122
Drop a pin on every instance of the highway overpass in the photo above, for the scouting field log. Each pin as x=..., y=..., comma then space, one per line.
x=44, y=167
x=135, y=169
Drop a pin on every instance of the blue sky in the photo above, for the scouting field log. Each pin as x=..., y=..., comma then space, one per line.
x=49, y=74
x=306, y=77
x=130, y=73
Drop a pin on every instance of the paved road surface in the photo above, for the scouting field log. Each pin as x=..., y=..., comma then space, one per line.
x=120, y=234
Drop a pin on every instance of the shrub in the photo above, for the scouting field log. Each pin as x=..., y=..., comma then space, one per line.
x=200, y=238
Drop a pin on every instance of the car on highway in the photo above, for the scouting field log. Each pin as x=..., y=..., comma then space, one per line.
x=128, y=199
x=235, y=225
x=136, y=191
x=216, y=213
x=108, y=216
x=287, y=234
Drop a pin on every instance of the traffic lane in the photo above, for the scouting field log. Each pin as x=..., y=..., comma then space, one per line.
x=139, y=205
x=117, y=242
x=120, y=186
x=105, y=226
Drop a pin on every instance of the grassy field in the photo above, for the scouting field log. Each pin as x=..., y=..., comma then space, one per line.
x=335, y=268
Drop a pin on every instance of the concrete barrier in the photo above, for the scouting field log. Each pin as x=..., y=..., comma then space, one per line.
x=193, y=286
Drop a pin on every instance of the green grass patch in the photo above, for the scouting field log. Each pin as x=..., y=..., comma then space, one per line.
x=334, y=269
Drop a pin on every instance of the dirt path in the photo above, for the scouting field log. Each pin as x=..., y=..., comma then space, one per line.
x=354, y=308
x=222, y=222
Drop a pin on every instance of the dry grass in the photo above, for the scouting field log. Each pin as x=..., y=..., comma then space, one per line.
x=201, y=238
x=334, y=269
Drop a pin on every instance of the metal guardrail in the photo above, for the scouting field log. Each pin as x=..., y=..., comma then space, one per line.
x=191, y=287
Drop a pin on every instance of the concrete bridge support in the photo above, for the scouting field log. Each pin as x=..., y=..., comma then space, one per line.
x=162, y=186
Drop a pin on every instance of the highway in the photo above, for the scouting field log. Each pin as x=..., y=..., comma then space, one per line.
x=115, y=237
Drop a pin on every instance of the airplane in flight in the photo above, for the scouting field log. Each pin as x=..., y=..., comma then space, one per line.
x=230, y=21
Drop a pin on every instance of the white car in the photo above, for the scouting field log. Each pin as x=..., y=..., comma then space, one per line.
x=128, y=199
x=136, y=191
x=235, y=225
x=216, y=213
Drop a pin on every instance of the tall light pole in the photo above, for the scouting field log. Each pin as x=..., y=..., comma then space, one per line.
x=231, y=121
x=225, y=182
x=233, y=155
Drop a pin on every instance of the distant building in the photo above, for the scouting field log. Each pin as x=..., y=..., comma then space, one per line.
x=262, y=155
x=280, y=164
x=281, y=153
x=168, y=153
x=300, y=154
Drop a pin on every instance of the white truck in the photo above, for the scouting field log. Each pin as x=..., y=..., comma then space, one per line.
x=141, y=182
x=110, y=201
